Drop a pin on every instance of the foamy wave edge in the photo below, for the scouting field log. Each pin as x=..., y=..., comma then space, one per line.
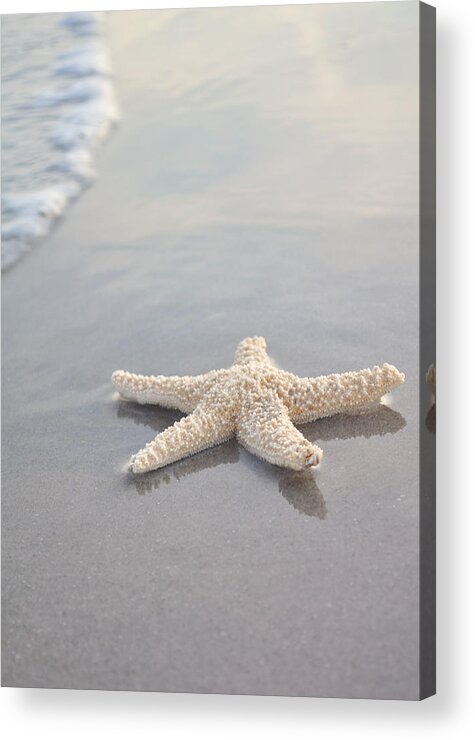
x=88, y=113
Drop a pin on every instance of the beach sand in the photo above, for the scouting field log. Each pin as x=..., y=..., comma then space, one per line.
x=230, y=202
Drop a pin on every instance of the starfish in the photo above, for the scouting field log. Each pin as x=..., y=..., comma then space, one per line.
x=254, y=401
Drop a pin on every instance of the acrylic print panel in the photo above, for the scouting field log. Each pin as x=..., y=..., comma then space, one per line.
x=175, y=182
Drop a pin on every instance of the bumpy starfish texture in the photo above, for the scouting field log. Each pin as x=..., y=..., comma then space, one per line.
x=254, y=401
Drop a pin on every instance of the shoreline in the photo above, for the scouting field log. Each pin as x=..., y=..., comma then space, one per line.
x=67, y=113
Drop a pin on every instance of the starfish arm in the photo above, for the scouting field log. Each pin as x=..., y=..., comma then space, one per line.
x=173, y=392
x=308, y=399
x=252, y=349
x=204, y=428
x=264, y=428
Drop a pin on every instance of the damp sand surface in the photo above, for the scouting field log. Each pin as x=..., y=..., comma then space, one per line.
x=245, y=192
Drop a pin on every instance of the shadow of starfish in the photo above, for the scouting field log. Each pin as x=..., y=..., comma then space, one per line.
x=301, y=492
x=377, y=423
x=224, y=454
x=299, y=489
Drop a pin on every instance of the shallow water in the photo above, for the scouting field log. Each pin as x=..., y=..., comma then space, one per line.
x=57, y=103
x=263, y=181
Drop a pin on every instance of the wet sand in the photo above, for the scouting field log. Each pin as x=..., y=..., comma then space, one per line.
x=231, y=202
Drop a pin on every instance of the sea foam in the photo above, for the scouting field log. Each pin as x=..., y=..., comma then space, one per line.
x=82, y=107
x=89, y=59
x=30, y=215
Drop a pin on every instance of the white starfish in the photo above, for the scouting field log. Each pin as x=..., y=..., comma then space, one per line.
x=254, y=401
